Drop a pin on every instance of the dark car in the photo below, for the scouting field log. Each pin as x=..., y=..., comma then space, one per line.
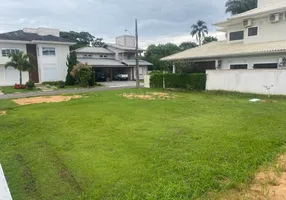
x=100, y=76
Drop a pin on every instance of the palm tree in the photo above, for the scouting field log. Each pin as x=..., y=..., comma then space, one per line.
x=199, y=30
x=20, y=61
x=239, y=6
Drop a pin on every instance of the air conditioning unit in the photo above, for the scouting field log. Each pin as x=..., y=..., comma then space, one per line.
x=282, y=62
x=247, y=23
x=274, y=18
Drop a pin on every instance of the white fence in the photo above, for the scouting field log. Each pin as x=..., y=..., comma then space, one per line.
x=250, y=81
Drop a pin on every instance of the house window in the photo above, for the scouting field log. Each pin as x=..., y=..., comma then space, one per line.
x=239, y=35
x=103, y=56
x=87, y=56
x=49, y=51
x=253, y=31
x=7, y=52
x=266, y=66
x=244, y=66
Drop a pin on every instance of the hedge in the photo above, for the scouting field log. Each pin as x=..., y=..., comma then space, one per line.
x=184, y=81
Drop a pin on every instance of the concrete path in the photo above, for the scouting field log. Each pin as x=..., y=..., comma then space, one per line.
x=4, y=190
x=63, y=91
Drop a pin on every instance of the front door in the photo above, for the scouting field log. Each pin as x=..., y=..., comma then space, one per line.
x=34, y=75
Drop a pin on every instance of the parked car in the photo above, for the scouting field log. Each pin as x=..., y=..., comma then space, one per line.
x=100, y=76
x=121, y=77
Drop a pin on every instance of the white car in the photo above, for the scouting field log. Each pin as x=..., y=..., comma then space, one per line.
x=121, y=77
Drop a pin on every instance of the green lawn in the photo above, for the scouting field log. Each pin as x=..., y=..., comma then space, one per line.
x=109, y=147
x=11, y=90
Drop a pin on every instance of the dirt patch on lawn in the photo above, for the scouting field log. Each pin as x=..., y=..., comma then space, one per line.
x=3, y=113
x=268, y=184
x=148, y=96
x=47, y=99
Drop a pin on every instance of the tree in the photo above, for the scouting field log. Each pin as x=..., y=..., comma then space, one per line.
x=71, y=61
x=155, y=52
x=187, y=45
x=239, y=6
x=199, y=30
x=209, y=39
x=20, y=61
x=82, y=39
x=98, y=42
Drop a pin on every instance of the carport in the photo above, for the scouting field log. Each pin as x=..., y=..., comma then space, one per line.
x=109, y=67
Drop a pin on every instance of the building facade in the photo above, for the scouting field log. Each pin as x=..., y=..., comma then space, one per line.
x=48, y=48
x=113, y=59
x=256, y=39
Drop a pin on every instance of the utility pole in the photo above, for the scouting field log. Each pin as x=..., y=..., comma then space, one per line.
x=137, y=56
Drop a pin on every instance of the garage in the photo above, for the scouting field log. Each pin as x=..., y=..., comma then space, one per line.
x=109, y=69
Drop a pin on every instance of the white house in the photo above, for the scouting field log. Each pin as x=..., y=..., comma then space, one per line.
x=49, y=49
x=256, y=39
x=114, y=58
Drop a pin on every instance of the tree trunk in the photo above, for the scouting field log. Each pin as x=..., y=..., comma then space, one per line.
x=20, y=77
x=200, y=40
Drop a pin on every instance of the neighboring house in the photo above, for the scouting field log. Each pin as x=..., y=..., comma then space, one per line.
x=115, y=58
x=46, y=45
x=256, y=39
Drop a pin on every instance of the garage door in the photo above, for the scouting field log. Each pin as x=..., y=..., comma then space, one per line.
x=50, y=74
x=12, y=75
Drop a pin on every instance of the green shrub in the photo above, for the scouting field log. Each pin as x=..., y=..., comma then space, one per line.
x=82, y=73
x=62, y=84
x=30, y=85
x=184, y=81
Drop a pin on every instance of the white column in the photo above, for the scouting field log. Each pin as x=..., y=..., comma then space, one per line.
x=174, y=68
x=216, y=64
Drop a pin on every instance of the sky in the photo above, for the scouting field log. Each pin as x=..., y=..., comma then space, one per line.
x=159, y=21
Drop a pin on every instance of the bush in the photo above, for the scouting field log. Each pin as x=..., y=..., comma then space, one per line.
x=184, y=81
x=30, y=85
x=82, y=73
x=62, y=84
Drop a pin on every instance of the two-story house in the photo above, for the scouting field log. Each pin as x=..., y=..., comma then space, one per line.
x=256, y=39
x=48, y=48
x=112, y=59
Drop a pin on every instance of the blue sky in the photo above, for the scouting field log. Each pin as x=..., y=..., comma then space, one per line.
x=160, y=21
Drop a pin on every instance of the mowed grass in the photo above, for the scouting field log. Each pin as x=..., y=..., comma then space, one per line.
x=109, y=147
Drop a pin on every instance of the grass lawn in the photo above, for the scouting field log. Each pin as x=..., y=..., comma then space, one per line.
x=109, y=147
x=11, y=90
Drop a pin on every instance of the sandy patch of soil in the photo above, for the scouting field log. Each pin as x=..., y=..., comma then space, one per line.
x=47, y=99
x=147, y=96
x=3, y=113
x=269, y=184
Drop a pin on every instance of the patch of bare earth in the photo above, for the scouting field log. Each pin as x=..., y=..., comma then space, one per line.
x=269, y=184
x=3, y=113
x=147, y=96
x=46, y=99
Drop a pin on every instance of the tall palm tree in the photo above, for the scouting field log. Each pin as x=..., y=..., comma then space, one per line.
x=239, y=6
x=200, y=30
x=20, y=61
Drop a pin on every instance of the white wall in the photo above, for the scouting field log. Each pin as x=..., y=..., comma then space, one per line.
x=10, y=76
x=266, y=31
x=95, y=55
x=251, y=60
x=143, y=70
x=52, y=68
x=249, y=81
